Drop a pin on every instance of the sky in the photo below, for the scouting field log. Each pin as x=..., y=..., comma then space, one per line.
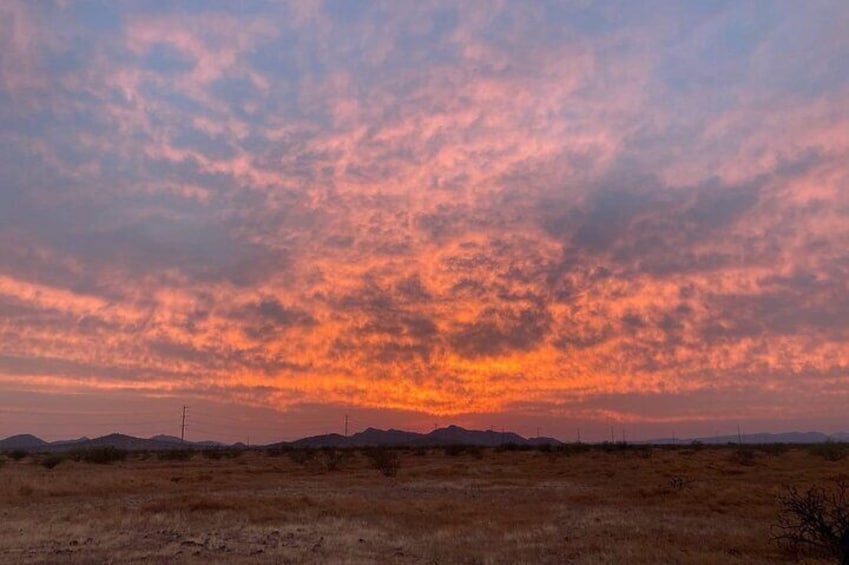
x=539, y=216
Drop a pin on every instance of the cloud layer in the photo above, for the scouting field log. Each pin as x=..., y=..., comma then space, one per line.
x=588, y=212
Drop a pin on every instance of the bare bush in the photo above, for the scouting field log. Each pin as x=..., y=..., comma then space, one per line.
x=815, y=521
x=384, y=460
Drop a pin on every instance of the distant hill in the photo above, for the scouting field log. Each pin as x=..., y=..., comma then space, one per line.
x=761, y=438
x=23, y=441
x=451, y=435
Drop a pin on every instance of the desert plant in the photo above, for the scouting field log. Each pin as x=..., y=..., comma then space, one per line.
x=830, y=450
x=775, y=449
x=816, y=520
x=743, y=455
x=302, y=456
x=384, y=460
x=175, y=455
x=334, y=459
x=17, y=454
x=52, y=461
x=456, y=449
x=99, y=455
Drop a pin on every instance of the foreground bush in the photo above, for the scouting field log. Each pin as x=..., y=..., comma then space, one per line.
x=99, y=455
x=815, y=521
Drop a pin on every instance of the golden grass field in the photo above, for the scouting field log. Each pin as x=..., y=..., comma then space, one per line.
x=684, y=505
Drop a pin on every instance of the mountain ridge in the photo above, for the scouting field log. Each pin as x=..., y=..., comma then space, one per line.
x=375, y=437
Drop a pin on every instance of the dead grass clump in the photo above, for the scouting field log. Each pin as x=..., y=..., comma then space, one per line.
x=815, y=521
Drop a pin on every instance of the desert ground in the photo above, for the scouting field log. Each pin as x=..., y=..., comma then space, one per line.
x=703, y=505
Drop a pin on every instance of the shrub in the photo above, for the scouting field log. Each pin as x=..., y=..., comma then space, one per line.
x=384, y=460
x=302, y=456
x=334, y=459
x=175, y=455
x=99, y=455
x=830, y=450
x=816, y=521
x=52, y=461
x=744, y=456
x=775, y=449
x=17, y=454
x=455, y=450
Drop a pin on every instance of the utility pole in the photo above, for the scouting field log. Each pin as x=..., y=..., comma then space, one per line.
x=538, y=434
x=183, y=426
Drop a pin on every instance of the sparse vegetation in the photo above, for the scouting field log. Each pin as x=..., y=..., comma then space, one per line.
x=815, y=521
x=455, y=450
x=98, y=455
x=830, y=450
x=385, y=460
x=17, y=454
x=509, y=506
x=744, y=455
x=175, y=454
x=51, y=461
x=774, y=449
x=302, y=456
x=334, y=459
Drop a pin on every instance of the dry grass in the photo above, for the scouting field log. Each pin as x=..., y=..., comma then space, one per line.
x=677, y=506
